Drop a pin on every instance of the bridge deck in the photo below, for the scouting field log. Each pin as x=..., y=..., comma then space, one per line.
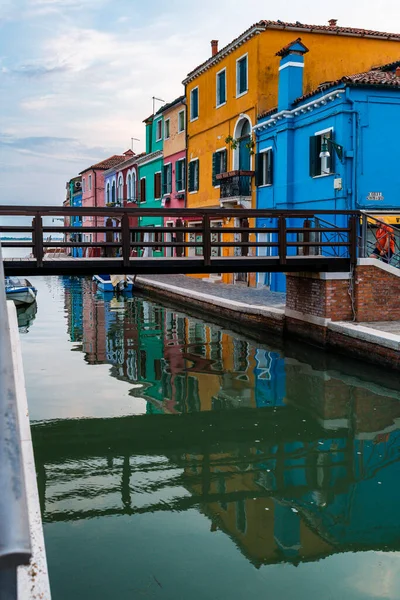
x=64, y=265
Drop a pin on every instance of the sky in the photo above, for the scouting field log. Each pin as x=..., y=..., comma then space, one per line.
x=77, y=76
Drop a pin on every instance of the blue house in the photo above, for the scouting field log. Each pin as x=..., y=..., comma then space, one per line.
x=334, y=147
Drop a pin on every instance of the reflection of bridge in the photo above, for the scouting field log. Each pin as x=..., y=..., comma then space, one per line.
x=250, y=471
x=295, y=241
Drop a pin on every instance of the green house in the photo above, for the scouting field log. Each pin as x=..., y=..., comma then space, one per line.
x=150, y=181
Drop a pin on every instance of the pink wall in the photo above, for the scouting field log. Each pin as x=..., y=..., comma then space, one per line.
x=93, y=198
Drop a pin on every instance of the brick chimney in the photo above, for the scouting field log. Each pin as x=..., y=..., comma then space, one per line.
x=214, y=47
x=332, y=22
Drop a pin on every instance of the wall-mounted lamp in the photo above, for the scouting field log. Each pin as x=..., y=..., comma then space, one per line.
x=325, y=150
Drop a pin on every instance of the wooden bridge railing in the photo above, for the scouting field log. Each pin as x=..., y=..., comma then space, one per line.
x=205, y=240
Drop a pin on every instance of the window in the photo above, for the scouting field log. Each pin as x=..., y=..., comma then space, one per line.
x=120, y=189
x=219, y=165
x=133, y=188
x=108, y=194
x=194, y=104
x=167, y=179
x=194, y=175
x=180, y=175
x=241, y=76
x=157, y=185
x=158, y=130
x=166, y=129
x=90, y=183
x=264, y=167
x=129, y=188
x=181, y=121
x=113, y=192
x=221, y=87
x=143, y=189
x=83, y=184
x=321, y=165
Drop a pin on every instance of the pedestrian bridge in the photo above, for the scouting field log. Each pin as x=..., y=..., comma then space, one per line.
x=118, y=240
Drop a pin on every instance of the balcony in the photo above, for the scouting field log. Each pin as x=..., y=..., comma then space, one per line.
x=235, y=188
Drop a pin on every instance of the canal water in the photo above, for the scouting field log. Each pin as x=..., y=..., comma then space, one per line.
x=177, y=459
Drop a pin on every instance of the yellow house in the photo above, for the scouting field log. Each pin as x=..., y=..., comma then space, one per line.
x=226, y=93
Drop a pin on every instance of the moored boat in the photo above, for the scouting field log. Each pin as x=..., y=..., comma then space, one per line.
x=20, y=291
x=114, y=283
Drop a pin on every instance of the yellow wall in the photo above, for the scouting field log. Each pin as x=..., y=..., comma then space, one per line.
x=176, y=141
x=329, y=58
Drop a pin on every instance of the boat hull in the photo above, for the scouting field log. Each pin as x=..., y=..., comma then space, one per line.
x=22, y=297
x=105, y=285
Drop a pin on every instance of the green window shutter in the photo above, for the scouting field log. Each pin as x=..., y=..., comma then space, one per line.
x=169, y=180
x=164, y=183
x=183, y=174
x=222, y=87
x=243, y=75
x=270, y=168
x=197, y=176
x=315, y=163
x=215, y=158
x=191, y=176
x=224, y=161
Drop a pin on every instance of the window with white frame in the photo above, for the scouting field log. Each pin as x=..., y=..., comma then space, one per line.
x=194, y=104
x=108, y=193
x=90, y=183
x=221, y=87
x=264, y=167
x=83, y=185
x=120, y=189
x=167, y=179
x=241, y=76
x=181, y=121
x=219, y=165
x=129, y=187
x=134, y=187
x=321, y=153
x=180, y=175
x=166, y=129
x=158, y=130
x=194, y=172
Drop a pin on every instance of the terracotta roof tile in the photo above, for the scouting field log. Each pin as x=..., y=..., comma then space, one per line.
x=367, y=78
x=268, y=113
x=108, y=163
x=263, y=25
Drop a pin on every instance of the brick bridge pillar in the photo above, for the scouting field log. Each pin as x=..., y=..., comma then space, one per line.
x=314, y=299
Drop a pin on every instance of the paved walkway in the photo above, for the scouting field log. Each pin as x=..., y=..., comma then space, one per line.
x=237, y=292
x=385, y=326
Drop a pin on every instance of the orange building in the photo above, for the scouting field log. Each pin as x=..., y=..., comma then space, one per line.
x=226, y=93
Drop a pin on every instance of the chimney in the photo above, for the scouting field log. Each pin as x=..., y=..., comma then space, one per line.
x=332, y=22
x=397, y=72
x=291, y=73
x=214, y=47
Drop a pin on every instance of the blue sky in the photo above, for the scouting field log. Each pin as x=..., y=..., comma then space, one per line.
x=77, y=76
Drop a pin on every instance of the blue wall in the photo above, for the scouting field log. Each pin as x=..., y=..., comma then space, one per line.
x=365, y=122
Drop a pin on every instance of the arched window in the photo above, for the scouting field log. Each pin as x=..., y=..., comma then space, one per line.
x=129, y=191
x=108, y=193
x=120, y=189
x=134, y=192
x=113, y=192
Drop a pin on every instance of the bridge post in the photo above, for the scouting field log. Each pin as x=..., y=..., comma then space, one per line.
x=353, y=240
x=126, y=239
x=206, y=240
x=38, y=250
x=282, y=239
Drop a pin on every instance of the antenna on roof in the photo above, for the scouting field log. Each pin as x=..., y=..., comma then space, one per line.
x=154, y=101
x=132, y=140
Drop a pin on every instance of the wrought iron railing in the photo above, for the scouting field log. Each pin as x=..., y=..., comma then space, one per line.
x=372, y=223
x=235, y=184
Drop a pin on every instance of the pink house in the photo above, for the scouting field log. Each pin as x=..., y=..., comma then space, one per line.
x=93, y=191
x=174, y=171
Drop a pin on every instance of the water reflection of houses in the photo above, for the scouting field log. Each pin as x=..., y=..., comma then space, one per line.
x=73, y=302
x=279, y=481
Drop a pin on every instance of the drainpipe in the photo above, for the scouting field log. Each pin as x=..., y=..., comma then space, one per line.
x=355, y=116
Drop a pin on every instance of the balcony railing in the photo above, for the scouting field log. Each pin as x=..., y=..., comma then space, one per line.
x=235, y=184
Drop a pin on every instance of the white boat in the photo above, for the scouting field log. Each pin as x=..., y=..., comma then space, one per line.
x=21, y=291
